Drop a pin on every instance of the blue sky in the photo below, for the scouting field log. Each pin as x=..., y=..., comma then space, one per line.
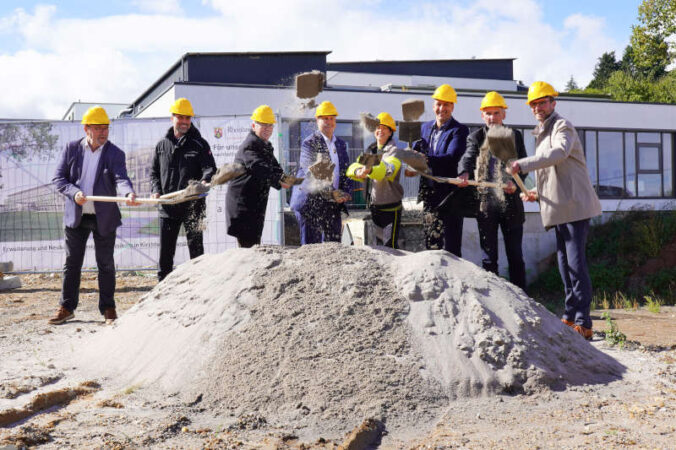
x=130, y=43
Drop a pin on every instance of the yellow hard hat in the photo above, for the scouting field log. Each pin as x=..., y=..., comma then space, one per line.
x=387, y=120
x=95, y=115
x=183, y=107
x=326, y=108
x=540, y=89
x=445, y=93
x=493, y=99
x=263, y=114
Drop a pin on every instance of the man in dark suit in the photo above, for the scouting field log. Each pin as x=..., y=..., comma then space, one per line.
x=91, y=166
x=498, y=209
x=444, y=141
x=318, y=216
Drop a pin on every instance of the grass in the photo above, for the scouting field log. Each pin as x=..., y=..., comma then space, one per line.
x=653, y=304
x=615, y=250
x=613, y=334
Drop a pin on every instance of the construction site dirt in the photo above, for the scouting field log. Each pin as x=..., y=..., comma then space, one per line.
x=186, y=367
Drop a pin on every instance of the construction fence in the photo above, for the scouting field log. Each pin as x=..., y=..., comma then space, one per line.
x=31, y=209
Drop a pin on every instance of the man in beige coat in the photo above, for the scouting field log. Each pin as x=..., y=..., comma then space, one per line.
x=567, y=200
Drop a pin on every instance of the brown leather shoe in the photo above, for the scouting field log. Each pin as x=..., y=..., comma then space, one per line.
x=61, y=316
x=110, y=315
x=586, y=333
x=568, y=322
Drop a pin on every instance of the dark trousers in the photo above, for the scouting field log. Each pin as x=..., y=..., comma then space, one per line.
x=571, y=239
x=76, y=244
x=169, y=229
x=512, y=234
x=443, y=231
x=247, y=243
x=325, y=227
x=387, y=224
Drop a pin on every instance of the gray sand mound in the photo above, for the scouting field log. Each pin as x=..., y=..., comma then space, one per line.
x=320, y=337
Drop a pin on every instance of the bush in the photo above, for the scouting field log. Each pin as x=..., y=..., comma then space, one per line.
x=615, y=249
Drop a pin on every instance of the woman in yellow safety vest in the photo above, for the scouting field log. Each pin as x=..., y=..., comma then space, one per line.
x=383, y=189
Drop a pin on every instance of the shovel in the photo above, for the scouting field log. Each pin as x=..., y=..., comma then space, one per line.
x=457, y=181
x=152, y=201
x=322, y=171
x=195, y=188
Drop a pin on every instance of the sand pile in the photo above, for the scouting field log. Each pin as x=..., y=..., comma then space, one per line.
x=321, y=337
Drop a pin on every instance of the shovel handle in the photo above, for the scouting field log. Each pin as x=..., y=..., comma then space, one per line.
x=177, y=193
x=519, y=182
x=458, y=181
x=103, y=198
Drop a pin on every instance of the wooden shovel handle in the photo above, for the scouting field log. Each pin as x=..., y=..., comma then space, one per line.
x=519, y=182
x=457, y=181
x=103, y=198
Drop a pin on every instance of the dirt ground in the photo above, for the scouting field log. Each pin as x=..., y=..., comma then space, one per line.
x=44, y=403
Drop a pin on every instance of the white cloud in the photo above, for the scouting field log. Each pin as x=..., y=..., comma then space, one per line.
x=159, y=6
x=115, y=58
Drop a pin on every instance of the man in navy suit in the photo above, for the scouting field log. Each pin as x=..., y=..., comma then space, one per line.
x=91, y=166
x=443, y=140
x=319, y=217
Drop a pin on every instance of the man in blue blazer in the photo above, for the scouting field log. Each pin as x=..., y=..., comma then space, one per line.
x=91, y=166
x=318, y=217
x=443, y=140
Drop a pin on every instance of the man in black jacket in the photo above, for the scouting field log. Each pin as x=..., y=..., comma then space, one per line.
x=182, y=155
x=247, y=196
x=497, y=208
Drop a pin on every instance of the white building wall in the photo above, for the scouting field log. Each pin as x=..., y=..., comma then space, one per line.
x=340, y=79
x=210, y=100
x=160, y=107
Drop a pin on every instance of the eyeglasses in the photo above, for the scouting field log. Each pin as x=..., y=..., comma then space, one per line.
x=535, y=103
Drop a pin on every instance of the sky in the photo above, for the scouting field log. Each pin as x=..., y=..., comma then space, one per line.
x=54, y=53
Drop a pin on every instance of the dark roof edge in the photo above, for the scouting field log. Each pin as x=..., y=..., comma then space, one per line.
x=418, y=61
x=185, y=55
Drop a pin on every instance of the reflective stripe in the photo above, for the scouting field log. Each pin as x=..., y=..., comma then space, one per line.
x=352, y=169
x=394, y=166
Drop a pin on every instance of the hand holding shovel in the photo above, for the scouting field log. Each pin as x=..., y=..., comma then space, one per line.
x=526, y=195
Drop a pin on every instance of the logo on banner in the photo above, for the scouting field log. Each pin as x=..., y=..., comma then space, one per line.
x=218, y=132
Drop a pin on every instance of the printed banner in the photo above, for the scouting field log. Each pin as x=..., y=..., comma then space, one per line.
x=31, y=210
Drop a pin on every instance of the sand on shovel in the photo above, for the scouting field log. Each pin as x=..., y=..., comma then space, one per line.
x=318, y=338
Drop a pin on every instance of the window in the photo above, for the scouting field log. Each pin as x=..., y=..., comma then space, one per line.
x=611, y=175
x=630, y=163
x=668, y=170
x=590, y=151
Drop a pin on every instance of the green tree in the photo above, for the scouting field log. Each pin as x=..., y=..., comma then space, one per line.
x=572, y=85
x=605, y=66
x=653, y=40
x=624, y=87
x=19, y=141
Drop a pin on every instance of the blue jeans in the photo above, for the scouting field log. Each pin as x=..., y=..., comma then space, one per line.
x=512, y=233
x=76, y=244
x=323, y=227
x=571, y=239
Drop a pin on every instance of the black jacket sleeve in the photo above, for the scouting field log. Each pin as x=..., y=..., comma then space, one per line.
x=520, y=151
x=467, y=163
x=155, y=175
x=207, y=162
